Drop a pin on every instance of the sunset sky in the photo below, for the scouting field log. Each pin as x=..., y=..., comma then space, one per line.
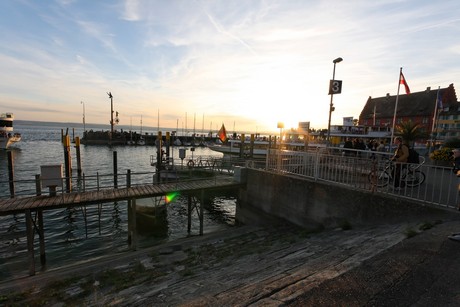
x=248, y=63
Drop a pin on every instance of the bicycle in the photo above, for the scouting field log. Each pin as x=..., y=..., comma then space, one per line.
x=410, y=174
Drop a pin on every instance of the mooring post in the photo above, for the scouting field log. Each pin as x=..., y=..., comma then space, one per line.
x=133, y=225
x=41, y=236
x=67, y=161
x=38, y=189
x=159, y=148
x=201, y=212
x=77, y=149
x=189, y=213
x=11, y=173
x=168, y=144
x=251, y=152
x=41, y=232
x=30, y=242
x=115, y=172
x=128, y=185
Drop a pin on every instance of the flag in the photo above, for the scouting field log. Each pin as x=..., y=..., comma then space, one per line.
x=439, y=101
x=222, y=134
x=403, y=82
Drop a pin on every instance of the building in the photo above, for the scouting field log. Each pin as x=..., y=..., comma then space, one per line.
x=420, y=108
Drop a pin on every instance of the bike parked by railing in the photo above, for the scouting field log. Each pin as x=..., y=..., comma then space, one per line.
x=411, y=174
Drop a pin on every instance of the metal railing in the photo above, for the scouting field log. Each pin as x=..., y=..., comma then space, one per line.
x=360, y=170
x=100, y=181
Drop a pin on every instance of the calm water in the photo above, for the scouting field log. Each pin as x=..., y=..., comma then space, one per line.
x=67, y=237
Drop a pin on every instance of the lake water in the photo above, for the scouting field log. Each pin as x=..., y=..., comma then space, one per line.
x=67, y=239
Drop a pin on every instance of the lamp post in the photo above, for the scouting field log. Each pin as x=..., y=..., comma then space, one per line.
x=335, y=87
x=111, y=116
x=84, y=123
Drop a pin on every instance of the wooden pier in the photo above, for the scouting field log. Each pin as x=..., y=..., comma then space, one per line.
x=22, y=204
x=36, y=205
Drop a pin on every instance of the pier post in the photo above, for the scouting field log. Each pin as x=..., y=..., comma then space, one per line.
x=168, y=144
x=38, y=189
x=189, y=213
x=115, y=171
x=251, y=152
x=132, y=230
x=201, y=212
x=11, y=173
x=41, y=236
x=242, y=145
x=30, y=242
x=77, y=148
x=159, y=146
x=67, y=162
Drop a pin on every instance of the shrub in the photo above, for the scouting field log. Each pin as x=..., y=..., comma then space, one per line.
x=443, y=154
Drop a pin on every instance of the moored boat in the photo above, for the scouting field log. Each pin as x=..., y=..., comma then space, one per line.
x=7, y=137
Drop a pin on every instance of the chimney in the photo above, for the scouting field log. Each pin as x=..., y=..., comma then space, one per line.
x=428, y=89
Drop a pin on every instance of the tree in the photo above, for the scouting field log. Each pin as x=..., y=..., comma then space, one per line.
x=410, y=132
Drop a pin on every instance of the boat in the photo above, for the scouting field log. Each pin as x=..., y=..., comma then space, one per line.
x=258, y=148
x=300, y=139
x=7, y=137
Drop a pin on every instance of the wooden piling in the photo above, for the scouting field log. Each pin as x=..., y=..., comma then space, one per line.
x=67, y=164
x=30, y=242
x=201, y=212
x=11, y=173
x=189, y=213
x=251, y=150
x=115, y=170
x=77, y=149
x=159, y=146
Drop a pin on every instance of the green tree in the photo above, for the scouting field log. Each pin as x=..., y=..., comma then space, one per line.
x=410, y=132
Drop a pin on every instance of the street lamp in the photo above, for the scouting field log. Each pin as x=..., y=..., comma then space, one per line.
x=111, y=116
x=335, y=87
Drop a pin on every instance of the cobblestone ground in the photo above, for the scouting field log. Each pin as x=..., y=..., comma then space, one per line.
x=397, y=265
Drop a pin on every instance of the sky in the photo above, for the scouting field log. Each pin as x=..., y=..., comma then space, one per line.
x=198, y=64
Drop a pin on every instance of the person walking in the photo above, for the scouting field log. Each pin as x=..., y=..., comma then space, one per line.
x=399, y=159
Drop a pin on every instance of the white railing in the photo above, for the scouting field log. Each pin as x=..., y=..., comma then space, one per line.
x=370, y=171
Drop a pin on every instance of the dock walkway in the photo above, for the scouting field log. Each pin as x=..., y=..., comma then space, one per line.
x=21, y=204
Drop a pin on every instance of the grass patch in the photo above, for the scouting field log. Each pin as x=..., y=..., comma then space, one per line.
x=410, y=233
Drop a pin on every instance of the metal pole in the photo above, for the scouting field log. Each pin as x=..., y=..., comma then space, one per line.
x=111, y=117
x=331, y=105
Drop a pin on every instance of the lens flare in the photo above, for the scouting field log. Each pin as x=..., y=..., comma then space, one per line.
x=170, y=197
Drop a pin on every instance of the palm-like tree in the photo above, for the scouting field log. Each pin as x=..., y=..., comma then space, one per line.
x=410, y=132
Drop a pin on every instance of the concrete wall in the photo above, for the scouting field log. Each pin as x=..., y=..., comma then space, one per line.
x=269, y=197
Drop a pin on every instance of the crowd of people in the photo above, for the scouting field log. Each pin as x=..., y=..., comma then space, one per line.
x=352, y=146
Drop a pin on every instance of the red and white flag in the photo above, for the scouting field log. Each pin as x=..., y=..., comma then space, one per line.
x=402, y=81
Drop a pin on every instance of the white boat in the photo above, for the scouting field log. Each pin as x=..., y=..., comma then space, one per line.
x=258, y=148
x=7, y=137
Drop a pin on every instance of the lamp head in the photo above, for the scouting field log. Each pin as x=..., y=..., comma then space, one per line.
x=338, y=60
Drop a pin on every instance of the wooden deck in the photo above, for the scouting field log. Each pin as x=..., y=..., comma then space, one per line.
x=21, y=204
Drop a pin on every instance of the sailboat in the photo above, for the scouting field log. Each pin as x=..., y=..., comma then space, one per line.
x=141, y=140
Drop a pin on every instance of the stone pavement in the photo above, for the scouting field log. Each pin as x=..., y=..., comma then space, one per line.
x=405, y=264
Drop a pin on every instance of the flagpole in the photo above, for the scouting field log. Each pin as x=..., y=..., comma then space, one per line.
x=396, y=107
x=435, y=119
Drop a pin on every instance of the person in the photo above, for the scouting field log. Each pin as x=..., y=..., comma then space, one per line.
x=456, y=163
x=381, y=147
x=400, y=157
x=348, y=145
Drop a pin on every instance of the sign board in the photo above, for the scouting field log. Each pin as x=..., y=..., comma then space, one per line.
x=304, y=126
x=51, y=175
x=335, y=87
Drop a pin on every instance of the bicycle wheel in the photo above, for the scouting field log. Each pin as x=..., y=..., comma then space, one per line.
x=379, y=178
x=414, y=178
